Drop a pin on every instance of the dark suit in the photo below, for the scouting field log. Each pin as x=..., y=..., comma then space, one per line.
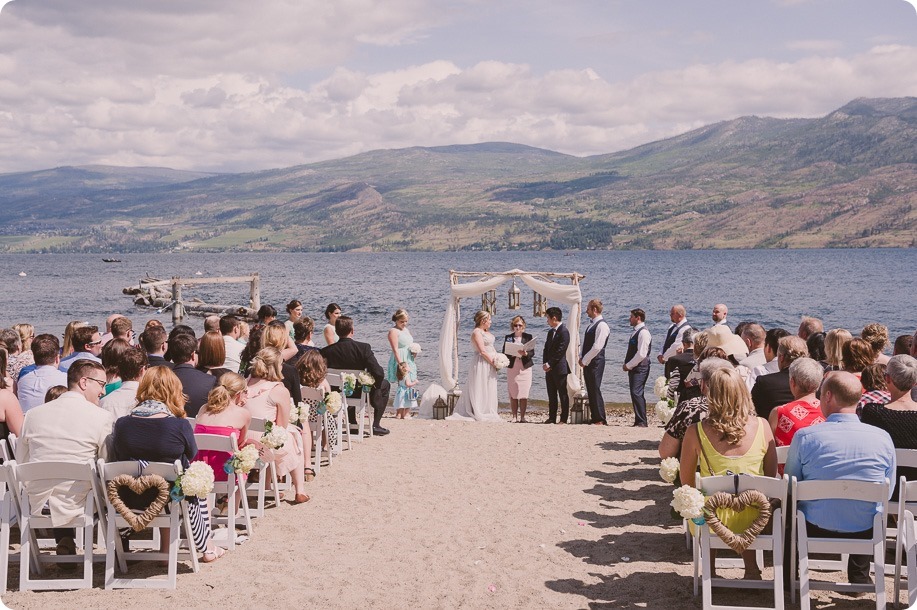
x=527, y=360
x=684, y=362
x=159, y=361
x=196, y=385
x=355, y=355
x=555, y=356
x=771, y=391
x=594, y=372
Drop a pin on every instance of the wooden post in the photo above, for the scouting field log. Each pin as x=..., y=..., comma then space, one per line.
x=178, y=311
x=255, y=296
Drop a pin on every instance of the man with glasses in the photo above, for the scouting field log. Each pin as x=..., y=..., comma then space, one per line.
x=71, y=428
x=87, y=345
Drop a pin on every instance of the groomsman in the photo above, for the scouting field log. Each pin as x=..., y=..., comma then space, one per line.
x=637, y=364
x=673, y=337
x=592, y=359
x=555, y=366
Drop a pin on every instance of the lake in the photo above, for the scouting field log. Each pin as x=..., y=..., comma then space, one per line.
x=845, y=288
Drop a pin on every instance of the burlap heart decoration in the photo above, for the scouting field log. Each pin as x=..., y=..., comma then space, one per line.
x=748, y=498
x=138, y=485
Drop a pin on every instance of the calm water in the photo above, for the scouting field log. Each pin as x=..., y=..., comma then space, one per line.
x=845, y=288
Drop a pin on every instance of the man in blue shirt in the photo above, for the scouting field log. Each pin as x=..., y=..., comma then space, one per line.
x=87, y=345
x=842, y=448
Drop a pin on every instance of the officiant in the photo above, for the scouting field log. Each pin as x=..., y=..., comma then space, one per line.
x=519, y=372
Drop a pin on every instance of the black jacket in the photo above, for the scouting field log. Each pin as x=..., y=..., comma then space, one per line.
x=527, y=361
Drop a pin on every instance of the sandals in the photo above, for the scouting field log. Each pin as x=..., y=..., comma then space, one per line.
x=310, y=474
x=211, y=556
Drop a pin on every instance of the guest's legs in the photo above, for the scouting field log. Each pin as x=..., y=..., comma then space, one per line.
x=857, y=565
x=378, y=399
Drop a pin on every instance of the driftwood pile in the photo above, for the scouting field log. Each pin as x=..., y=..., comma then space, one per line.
x=156, y=293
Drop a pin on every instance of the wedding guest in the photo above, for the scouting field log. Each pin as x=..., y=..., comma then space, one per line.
x=519, y=371
x=151, y=323
x=805, y=409
x=771, y=343
x=302, y=336
x=691, y=410
x=400, y=341
x=275, y=336
x=231, y=330
x=773, y=389
x=107, y=335
x=178, y=329
x=834, y=347
x=26, y=334
x=875, y=389
x=224, y=414
x=876, y=335
x=112, y=353
x=555, y=366
x=808, y=327
x=312, y=371
x=157, y=430
x=753, y=335
x=10, y=411
x=55, y=392
x=592, y=355
x=266, y=315
x=34, y=383
x=332, y=313
x=294, y=315
x=195, y=384
x=858, y=354
x=211, y=355
x=154, y=341
x=212, y=322
x=87, y=345
x=17, y=358
x=131, y=367
x=902, y=344
x=730, y=440
x=122, y=328
x=679, y=366
x=816, y=346
x=244, y=330
x=67, y=348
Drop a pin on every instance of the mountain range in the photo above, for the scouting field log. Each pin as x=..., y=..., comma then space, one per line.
x=848, y=179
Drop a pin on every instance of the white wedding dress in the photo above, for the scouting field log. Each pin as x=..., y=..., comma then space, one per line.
x=478, y=401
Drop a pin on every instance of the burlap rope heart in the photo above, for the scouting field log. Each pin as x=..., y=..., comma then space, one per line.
x=749, y=498
x=138, y=485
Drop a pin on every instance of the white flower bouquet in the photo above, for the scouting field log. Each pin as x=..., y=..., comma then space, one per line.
x=689, y=503
x=333, y=402
x=299, y=413
x=274, y=437
x=501, y=361
x=664, y=410
x=366, y=380
x=669, y=469
x=348, y=383
x=197, y=480
x=661, y=387
x=415, y=349
x=242, y=461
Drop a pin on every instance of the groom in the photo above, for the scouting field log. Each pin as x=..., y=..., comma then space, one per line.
x=555, y=366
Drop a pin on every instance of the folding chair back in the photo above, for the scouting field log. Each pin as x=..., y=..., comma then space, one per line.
x=233, y=482
x=343, y=425
x=12, y=441
x=782, y=452
x=5, y=452
x=258, y=489
x=315, y=428
x=906, y=540
x=361, y=404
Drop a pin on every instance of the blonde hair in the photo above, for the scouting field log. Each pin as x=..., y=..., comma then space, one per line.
x=266, y=364
x=876, y=335
x=26, y=334
x=67, y=348
x=160, y=383
x=834, y=345
x=730, y=405
x=399, y=314
x=275, y=335
x=229, y=386
x=402, y=371
x=516, y=319
x=480, y=317
x=700, y=342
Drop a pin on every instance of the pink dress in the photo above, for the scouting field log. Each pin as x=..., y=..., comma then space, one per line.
x=289, y=457
x=216, y=459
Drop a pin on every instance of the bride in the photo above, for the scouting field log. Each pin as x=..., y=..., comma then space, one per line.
x=479, y=401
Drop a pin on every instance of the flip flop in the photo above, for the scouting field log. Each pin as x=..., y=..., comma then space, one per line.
x=310, y=474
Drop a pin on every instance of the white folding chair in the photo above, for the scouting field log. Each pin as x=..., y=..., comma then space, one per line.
x=782, y=452
x=906, y=458
x=343, y=424
x=12, y=441
x=173, y=520
x=31, y=519
x=316, y=428
x=774, y=489
x=227, y=444
x=361, y=404
x=906, y=541
x=5, y=452
x=9, y=516
x=841, y=489
x=266, y=472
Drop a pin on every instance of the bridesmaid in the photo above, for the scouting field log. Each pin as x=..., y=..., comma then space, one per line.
x=400, y=340
x=332, y=313
x=294, y=315
x=519, y=373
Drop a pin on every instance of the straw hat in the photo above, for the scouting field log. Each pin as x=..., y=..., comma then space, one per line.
x=723, y=338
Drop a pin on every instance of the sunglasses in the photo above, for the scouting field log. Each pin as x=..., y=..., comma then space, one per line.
x=518, y=325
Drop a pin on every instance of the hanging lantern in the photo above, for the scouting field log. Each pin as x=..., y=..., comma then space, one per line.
x=579, y=407
x=540, y=306
x=515, y=296
x=489, y=302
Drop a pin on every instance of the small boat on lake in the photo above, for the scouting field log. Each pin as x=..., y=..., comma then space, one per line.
x=111, y=260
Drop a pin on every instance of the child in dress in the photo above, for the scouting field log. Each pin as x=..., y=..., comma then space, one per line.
x=404, y=397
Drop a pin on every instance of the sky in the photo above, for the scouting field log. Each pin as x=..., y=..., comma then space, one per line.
x=236, y=85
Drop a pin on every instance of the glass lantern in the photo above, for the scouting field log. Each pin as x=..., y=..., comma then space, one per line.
x=515, y=296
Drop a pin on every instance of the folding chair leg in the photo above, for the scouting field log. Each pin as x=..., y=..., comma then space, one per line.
x=189, y=536
x=879, y=561
x=803, y=569
x=4, y=552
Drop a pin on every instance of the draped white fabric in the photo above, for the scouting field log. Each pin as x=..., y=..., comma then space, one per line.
x=565, y=294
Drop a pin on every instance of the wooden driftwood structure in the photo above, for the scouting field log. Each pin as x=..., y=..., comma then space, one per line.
x=167, y=294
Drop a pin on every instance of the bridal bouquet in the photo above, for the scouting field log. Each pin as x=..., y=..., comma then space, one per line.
x=669, y=469
x=348, y=383
x=366, y=380
x=242, y=461
x=664, y=410
x=415, y=349
x=501, y=361
x=274, y=437
x=689, y=503
x=196, y=480
x=661, y=387
x=333, y=402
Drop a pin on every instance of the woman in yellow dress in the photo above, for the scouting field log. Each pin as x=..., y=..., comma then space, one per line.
x=731, y=440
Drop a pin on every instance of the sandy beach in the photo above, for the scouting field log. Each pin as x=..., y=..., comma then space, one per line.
x=452, y=514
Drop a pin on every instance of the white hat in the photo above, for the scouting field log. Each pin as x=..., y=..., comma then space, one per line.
x=723, y=338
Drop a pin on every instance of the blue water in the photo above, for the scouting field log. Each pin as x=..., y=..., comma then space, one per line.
x=845, y=288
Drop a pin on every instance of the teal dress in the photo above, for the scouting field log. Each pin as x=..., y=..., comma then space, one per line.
x=404, y=353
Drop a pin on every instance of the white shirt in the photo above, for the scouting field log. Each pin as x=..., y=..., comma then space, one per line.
x=233, y=353
x=33, y=386
x=765, y=369
x=601, y=336
x=120, y=402
x=755, y=358
x=673, y=349
x=643, y=346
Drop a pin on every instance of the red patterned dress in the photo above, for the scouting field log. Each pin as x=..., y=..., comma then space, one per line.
x=795, y=416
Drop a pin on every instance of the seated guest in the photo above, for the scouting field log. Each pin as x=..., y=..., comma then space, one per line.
x=87, y=344
x=122, y=328
x=808, y=327
x=211, y=354
x=156, y=431
x=10, y=411
x=225, y=415
x=771, y=343
x=312, y=370
x=178, y=329
x=858, y=355
x=34, y=383
x=805, y=410
x=834, y=347
x=690, y=411
x=275, y=336
x=131, y=367
x=112, y=352
x=753, y=335
x=212, y=322
x=269, y=400
x=731, y=440
x=816, y=346
x=875, y=390
x=841, y=448
x=773, y=389
x=302, y=335
x=17, y=359
x=902, y=344
x=153, y=341
x=898, y=417
x=67, y=347
x=195, y=384
x=107, y=335
x=71, y=428
x=876, y=335
x=678, y=366
x=231, y=331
